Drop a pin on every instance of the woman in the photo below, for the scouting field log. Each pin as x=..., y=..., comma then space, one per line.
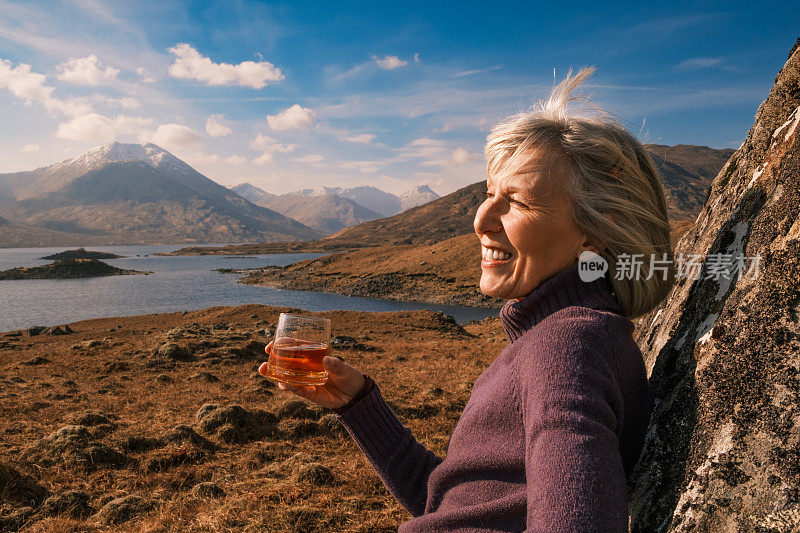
x=555, y=424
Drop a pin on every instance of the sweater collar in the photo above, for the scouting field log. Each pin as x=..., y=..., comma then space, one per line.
x=562, y=290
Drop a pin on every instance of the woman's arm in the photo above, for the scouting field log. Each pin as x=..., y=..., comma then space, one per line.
x=572, y=406
x=402, y=463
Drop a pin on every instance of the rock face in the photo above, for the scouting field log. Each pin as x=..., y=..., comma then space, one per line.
x=723, y=354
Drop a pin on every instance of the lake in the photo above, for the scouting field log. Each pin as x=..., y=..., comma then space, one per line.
x=178, y=283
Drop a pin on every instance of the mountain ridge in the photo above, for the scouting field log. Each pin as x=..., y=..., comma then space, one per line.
x=121, y=193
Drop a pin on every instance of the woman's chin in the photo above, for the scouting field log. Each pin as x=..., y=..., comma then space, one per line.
x=493, y=288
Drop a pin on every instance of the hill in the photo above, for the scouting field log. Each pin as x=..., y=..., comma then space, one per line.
x=435, y=221
x=81, y=253
x=67, y=268
x=687, y=172
x=128, y=193
x=446, y=272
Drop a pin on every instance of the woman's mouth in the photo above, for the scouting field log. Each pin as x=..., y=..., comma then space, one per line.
x=493, y=256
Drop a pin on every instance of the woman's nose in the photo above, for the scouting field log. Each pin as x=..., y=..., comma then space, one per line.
x=487, y=218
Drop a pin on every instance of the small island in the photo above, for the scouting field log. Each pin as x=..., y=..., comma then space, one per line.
x=70, y=268
x=80, y=253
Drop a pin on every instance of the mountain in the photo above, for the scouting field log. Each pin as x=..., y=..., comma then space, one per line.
x=687, y=172
x=721, y=352
x=252, y=193
x=325, y=211
x=441, y=219
x=328, y=214
x=384, y=203
x=452, y=215
x=129, y=193
x=421, y=194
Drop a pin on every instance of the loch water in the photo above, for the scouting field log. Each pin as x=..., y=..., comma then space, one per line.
x=178, y=283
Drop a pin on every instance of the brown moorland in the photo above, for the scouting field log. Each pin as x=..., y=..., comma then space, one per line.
x=446, y=272
x=161, y=422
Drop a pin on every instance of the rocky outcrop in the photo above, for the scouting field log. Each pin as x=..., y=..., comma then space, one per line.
x=722, y=352
x=68, y=268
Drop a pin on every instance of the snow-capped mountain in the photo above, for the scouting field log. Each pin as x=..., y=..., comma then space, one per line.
x=128, y=193
x=50, y=178
x=321, y=209
x=374, y=199
x=421, y=194
x=252, y=193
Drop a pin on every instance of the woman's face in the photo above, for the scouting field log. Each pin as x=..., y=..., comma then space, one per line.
x=526, y=230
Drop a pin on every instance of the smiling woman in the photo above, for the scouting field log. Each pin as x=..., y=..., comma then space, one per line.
x=556, y=423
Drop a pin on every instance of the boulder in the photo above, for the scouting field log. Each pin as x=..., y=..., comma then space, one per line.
x=722, y=351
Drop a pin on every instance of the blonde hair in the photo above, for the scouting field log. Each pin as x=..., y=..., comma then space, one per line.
x=614, y=188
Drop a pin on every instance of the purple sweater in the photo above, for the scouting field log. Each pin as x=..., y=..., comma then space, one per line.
x=550, y=432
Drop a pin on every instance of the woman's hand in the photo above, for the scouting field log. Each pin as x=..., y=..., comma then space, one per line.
x=344, y=382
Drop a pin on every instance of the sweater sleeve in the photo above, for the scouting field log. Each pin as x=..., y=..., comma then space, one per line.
x=402, y=463
x=572, y=405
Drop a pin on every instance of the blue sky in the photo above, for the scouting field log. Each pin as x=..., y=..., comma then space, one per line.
x=301, y=94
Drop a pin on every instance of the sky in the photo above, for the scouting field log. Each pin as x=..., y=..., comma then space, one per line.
x=291, y=95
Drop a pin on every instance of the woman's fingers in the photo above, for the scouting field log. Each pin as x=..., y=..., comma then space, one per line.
x=343, y=376
x=304, y=391
x=268, y=347
x=264, y=370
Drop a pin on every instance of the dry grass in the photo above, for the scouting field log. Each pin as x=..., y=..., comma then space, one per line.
x=292, y=472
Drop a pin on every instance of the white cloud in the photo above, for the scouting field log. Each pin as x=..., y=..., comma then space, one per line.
x=460, y=155
x=698, y=63
x=28, y=148
x=268, y=147
x=364, y=138
x=196, y=159
x=176, y=136
x=85, y=71
x=125, y=102
x=311, y=158
x=146, y=78
x=30, y=86
x=96, y=127
x=295, y=117
x=365, y=167
x=189, y=64
x=215, y=127
x=389, y=62
x=235, y=160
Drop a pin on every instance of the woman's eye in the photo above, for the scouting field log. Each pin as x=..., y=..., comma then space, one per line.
x=517, y=202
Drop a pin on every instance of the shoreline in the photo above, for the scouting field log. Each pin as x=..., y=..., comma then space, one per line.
x=447, y=272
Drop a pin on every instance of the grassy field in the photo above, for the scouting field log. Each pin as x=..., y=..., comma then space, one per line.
x=161, y=422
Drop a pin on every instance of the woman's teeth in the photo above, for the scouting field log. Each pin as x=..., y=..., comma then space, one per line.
x=490, y=254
